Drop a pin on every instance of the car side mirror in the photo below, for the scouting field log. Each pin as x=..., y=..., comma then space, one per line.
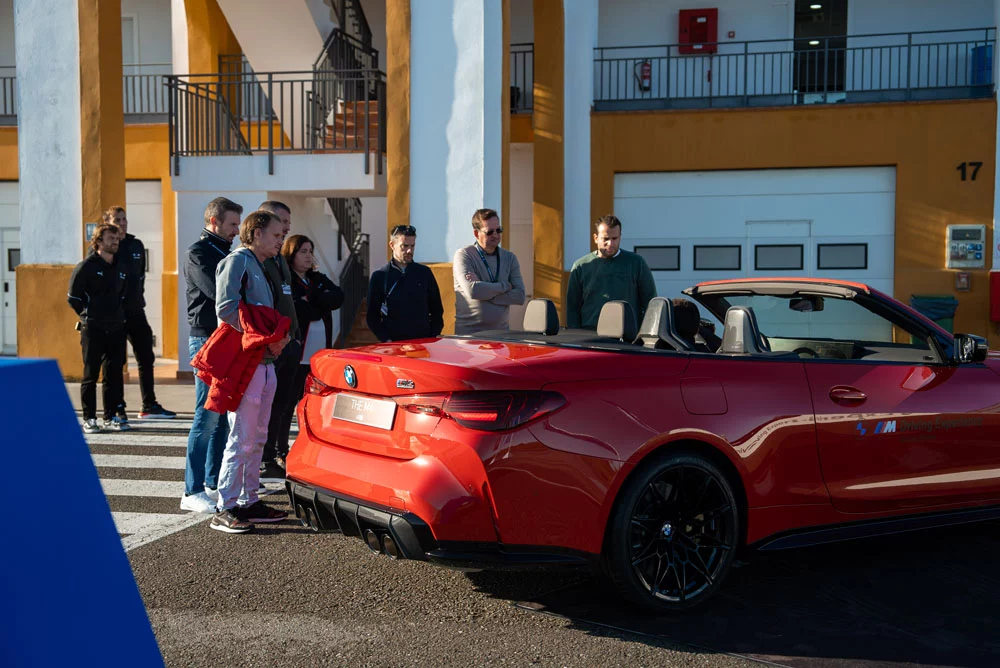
x=969, y=349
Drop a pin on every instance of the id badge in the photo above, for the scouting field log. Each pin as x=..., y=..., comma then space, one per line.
x=286, y=289
x=384, y=310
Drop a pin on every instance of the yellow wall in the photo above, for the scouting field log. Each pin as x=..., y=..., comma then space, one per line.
x=446, y=284
x=397, y=73
x=209, y=36
x=924, y=141
x=8, y=154
x=548, y=207
x=47, y=328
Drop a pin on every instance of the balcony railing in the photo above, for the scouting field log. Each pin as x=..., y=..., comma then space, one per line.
x=522, y=78
x=292, y=115
x=848, y=68
x=8, y=92
x=143, y=93
x=142, y=89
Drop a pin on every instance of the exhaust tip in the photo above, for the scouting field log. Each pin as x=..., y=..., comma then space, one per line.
x=373, y=542
x=300, y=513
x=313, y=519
x=389, y=546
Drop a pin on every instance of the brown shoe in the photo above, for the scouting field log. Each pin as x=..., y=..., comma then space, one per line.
x=229, y=522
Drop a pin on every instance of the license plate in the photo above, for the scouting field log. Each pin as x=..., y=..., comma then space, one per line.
x=376, y=413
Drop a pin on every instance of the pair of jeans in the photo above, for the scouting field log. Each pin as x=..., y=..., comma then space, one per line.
x=207, y=440
x=103, y=346
x=239, y=479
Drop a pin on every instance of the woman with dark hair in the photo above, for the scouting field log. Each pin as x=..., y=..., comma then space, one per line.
x=316, y=297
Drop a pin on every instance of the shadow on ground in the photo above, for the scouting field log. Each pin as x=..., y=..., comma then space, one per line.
x=929, y=598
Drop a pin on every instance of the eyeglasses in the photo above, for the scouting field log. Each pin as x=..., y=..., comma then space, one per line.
x=405, y=230
x=490, y=233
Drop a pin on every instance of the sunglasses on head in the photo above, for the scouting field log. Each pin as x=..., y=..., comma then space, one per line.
x=405, y=230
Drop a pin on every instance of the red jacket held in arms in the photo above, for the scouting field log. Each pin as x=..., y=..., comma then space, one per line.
x=229, y=358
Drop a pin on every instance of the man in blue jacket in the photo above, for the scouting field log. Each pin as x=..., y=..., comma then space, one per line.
x=403, y=297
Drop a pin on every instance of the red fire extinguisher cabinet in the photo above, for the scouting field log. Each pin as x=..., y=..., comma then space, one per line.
x=698, y=30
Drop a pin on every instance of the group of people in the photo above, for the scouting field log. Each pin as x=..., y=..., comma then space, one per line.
x=107, y=292
x=257, y=314
x=404, y=301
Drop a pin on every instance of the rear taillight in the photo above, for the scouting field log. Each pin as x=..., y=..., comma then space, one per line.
x=315, y=386
x=488, y=410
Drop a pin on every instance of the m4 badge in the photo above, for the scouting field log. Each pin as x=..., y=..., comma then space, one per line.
x=405, y=384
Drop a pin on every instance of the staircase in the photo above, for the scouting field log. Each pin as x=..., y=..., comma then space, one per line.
x=348, y=128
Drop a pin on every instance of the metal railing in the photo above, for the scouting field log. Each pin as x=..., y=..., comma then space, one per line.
x=344, y=53
x=143, y=91
x=293, y=116
x=522, y=78
x=347, y=211
x=354, y=283
x=201, y=122
x=850, y=68
x=8, y=91
x=353, y=22
x=245, y=93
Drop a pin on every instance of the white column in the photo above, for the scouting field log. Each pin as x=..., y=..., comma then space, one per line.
x=49, y=130
x=456, y=71
x=580, y=39
x=179, y=37
x=190, y=208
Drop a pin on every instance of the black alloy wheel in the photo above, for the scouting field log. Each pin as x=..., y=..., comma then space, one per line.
x=674, y=533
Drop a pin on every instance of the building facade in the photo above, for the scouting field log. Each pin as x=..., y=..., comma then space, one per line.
x=837, y=138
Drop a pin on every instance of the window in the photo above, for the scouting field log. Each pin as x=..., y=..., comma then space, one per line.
x=147, y=260
x=842, y=256
x=717, y=258
x=13, y=258
x=778, y=256
x=661, y=258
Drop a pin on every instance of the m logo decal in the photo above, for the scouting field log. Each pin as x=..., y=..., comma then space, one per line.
x=887, y=427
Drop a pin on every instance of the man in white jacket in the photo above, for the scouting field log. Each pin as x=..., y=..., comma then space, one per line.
x=487, y=278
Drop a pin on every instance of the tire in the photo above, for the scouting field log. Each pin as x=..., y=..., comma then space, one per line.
x=674, y=533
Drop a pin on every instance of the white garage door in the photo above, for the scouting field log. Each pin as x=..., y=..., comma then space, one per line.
x=143, y=202
x=702, y=226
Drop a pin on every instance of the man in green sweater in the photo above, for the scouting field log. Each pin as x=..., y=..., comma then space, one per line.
x=605, y=275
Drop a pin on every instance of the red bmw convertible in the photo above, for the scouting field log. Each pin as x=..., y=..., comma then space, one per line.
x=825, y=411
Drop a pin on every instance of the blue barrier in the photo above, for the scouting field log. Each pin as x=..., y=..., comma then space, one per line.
x=68, y=592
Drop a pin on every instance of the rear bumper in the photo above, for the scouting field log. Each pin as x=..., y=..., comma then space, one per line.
x=403, y=535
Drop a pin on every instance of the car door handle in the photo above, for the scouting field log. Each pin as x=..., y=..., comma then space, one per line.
x=849, y=396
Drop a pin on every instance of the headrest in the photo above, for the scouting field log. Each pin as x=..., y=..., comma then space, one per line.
x=742, y=336
x=541, y=317
x=657, y=330
x=617, y=321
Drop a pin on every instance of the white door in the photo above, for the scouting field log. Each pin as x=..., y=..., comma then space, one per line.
x=144, y=207
x=10, y=257
x=702, y=226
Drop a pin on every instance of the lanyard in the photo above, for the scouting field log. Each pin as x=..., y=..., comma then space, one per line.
x=482, y=256
x=386, y=290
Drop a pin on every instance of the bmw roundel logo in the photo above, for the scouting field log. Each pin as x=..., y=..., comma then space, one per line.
x=350, y=377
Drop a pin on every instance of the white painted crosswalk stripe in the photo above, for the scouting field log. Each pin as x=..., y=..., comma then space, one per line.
x=163, y=489
x=139, y=461
x=142, y=528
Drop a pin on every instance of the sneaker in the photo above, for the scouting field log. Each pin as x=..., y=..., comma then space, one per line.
x=117, y=423
x=228, y=522
x=212, y=494
x=198, y=503
x=156, y=412
x=122, y=414
x=261, y=513
x=90, y=426
x=272, y=472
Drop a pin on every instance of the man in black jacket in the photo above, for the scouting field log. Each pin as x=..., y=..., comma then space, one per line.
x=403, y=297
x=131, y=257
x=97, y=295
x=207, y=439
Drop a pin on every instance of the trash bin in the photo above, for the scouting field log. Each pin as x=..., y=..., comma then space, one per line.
x=939, y=308
x=981, y=64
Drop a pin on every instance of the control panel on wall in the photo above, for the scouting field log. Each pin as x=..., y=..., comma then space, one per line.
x=698, y=30
x=966, y=246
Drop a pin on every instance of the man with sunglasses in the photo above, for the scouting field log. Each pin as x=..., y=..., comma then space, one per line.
x=487, y=278
x=404, y=301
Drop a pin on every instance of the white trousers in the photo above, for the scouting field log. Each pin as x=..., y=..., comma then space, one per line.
x=239, y=478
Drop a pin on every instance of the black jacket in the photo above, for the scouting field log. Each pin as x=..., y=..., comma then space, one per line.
x=316, y=301
x=203, y=257
x=97, y=292
x=279, y=275
x=414, y=303
x=131, y=256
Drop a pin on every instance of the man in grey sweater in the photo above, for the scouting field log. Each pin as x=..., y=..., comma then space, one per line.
x=487, y=278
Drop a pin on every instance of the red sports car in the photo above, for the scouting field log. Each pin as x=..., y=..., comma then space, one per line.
x=825, y=411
